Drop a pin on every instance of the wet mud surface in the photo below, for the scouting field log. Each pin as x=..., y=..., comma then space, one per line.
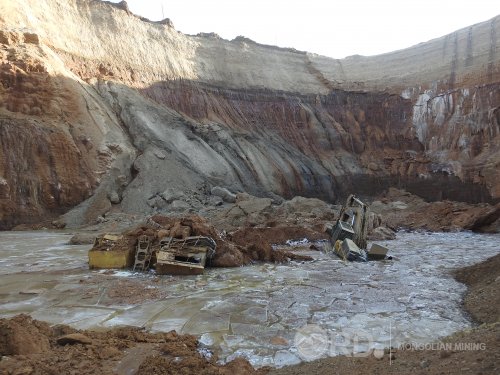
x=254, y=311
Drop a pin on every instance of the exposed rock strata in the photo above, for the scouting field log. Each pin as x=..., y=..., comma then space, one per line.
x=93, y=112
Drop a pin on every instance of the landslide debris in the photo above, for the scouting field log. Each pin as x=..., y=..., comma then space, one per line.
x=235, y=249
x=401, y=209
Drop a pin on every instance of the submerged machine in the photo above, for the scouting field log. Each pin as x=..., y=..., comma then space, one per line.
x=349, y=234
x=186, y=256
x=169, y=255
x=108, y=252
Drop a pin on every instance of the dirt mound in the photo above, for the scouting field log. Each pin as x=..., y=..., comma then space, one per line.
x=194, y=365
x=34, y=347
x=257, y=243
x=400, y=209
x=459, y=360
x=239, y=248
x=22, y=335
x=276, y=235
x=482, y=300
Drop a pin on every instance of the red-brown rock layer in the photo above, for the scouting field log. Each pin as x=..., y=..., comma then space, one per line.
x=105, y=104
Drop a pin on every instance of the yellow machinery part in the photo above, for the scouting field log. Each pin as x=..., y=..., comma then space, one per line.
x=338, y=249
x=111, y=259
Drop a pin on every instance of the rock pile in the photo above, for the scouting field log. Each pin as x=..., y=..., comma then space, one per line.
x=235, y=249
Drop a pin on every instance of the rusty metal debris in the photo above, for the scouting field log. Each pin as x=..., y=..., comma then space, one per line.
x=106, y=241
x=143, y=253
x=184, y=256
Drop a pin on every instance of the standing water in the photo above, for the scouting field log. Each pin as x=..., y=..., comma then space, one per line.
x=262, y=311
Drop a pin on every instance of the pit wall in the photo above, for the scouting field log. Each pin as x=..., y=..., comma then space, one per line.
x=92, y=111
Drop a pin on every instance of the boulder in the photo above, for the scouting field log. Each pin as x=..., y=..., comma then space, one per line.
x=82, y=239
x=179, y=205
x=114, y=198
x=225, y=194
x=171, y=194
x=255, y=205
x=382, y=233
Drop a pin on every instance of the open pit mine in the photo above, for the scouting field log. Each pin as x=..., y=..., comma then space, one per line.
x=175, y=203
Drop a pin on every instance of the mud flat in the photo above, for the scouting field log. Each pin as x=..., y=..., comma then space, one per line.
x=472, y=351
x=255, y=311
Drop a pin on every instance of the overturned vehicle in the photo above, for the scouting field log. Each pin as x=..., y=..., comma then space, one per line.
x=348, y=237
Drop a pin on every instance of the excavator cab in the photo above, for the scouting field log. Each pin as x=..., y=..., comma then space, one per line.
x=348, y=236
x=352, y=222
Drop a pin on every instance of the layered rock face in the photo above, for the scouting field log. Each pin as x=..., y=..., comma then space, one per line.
x=96, y=102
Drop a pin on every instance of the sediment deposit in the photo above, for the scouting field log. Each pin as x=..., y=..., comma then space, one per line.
x=109, y=112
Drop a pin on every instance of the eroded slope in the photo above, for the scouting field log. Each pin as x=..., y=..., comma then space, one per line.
x=104, y=98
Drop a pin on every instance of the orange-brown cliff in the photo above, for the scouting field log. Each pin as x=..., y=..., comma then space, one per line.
x=97, y=102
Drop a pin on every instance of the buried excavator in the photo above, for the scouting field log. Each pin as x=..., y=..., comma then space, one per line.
x=348, y=237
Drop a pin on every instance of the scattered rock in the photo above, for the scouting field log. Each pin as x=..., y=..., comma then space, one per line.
x=157, y=202
x=223, y=193
x=381, y=233
x=171, y=194
x=399, y=208
x=82, y=239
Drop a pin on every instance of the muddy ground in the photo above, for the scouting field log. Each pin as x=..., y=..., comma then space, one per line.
x=32, y=347
x=482, y=302
x=28, y=346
